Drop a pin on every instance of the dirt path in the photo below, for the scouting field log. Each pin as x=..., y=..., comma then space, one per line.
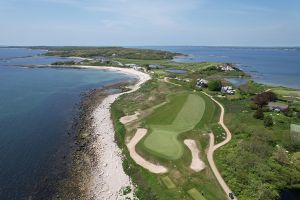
x=197, y=164
x=140, y=133
x=213, y=147
x=166, y=79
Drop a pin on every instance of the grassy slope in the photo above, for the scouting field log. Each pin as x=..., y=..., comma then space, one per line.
x=185, y=111
x=250, y=162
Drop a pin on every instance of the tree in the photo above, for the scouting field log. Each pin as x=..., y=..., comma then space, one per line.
x=268, y=121
x=264, y=98
x=147, y=67
x=214, y=85
x=259, y=114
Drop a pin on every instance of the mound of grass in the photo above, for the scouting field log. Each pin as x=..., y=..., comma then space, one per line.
x=168, y=182
x=181, y=114
x=195, y=194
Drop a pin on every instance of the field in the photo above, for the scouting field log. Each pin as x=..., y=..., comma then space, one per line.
x=286, y=92
x=181, y=114
x=195, y=194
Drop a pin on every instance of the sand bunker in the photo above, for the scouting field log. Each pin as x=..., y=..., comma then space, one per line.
x=157, y=169
x=129, y=118
x=197, y=164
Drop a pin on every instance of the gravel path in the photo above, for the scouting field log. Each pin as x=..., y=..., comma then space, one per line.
x=213, y=147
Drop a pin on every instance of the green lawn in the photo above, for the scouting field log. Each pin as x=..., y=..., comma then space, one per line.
x=195, y=194
x=168, y=182
x=181, y=114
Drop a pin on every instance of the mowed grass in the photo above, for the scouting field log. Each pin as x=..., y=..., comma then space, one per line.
x=168, y=182
x=181, y=114
x=195, y=194
x=286, y=92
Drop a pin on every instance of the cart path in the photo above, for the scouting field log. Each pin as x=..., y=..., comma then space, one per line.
x=213, y=147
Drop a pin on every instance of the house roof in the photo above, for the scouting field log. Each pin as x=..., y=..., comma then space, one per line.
x=279, y=105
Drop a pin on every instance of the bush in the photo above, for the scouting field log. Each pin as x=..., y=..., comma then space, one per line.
x=268, y=121
x=214, y=85
x=259, y=114
x=253, y=106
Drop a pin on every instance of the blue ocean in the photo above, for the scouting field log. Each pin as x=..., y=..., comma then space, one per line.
x=275, y=66
x=37, y=107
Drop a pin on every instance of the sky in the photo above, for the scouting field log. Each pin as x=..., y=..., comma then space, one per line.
x=150, y=22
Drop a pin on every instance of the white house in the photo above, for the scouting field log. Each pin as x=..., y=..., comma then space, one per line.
x=131, y=65
x=227, y=90
x=201, y=83
x=226, y=68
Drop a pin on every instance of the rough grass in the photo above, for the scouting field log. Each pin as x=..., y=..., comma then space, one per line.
x=185, y=111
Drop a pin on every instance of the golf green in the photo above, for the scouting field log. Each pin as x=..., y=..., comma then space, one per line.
x=181, y=114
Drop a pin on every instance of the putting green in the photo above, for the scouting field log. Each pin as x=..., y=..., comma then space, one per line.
x=181, y=114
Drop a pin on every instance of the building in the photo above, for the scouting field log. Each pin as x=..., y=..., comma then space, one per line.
x=102, y=59
x=226, y=67
x=278, y=106
x=156, y=66
x=227, y=90
x=131, y=65
x=201, y=83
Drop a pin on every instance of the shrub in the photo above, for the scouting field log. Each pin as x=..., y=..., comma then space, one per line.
x=259, y=114
x=214, y=85
x=253, y=106
x=268, y=121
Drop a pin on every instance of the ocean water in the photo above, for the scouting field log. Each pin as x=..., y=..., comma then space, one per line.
x=276, y=66
x=37, y=107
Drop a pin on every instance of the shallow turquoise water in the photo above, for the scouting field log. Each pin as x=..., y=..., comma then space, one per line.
x=37, y=107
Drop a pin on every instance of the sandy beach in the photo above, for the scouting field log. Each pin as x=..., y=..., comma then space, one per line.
x=108, y=177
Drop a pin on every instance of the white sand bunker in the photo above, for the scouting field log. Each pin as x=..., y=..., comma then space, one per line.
x=197, y=164
x=130, y=118
x=157, y=169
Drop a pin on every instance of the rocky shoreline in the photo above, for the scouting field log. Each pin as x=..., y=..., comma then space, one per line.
x=75, y=185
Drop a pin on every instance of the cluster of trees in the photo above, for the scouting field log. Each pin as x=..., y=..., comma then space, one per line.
x=64, y=63
x=259, y=101
x=268, y=120
x=214, y=85
x=119, y=52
